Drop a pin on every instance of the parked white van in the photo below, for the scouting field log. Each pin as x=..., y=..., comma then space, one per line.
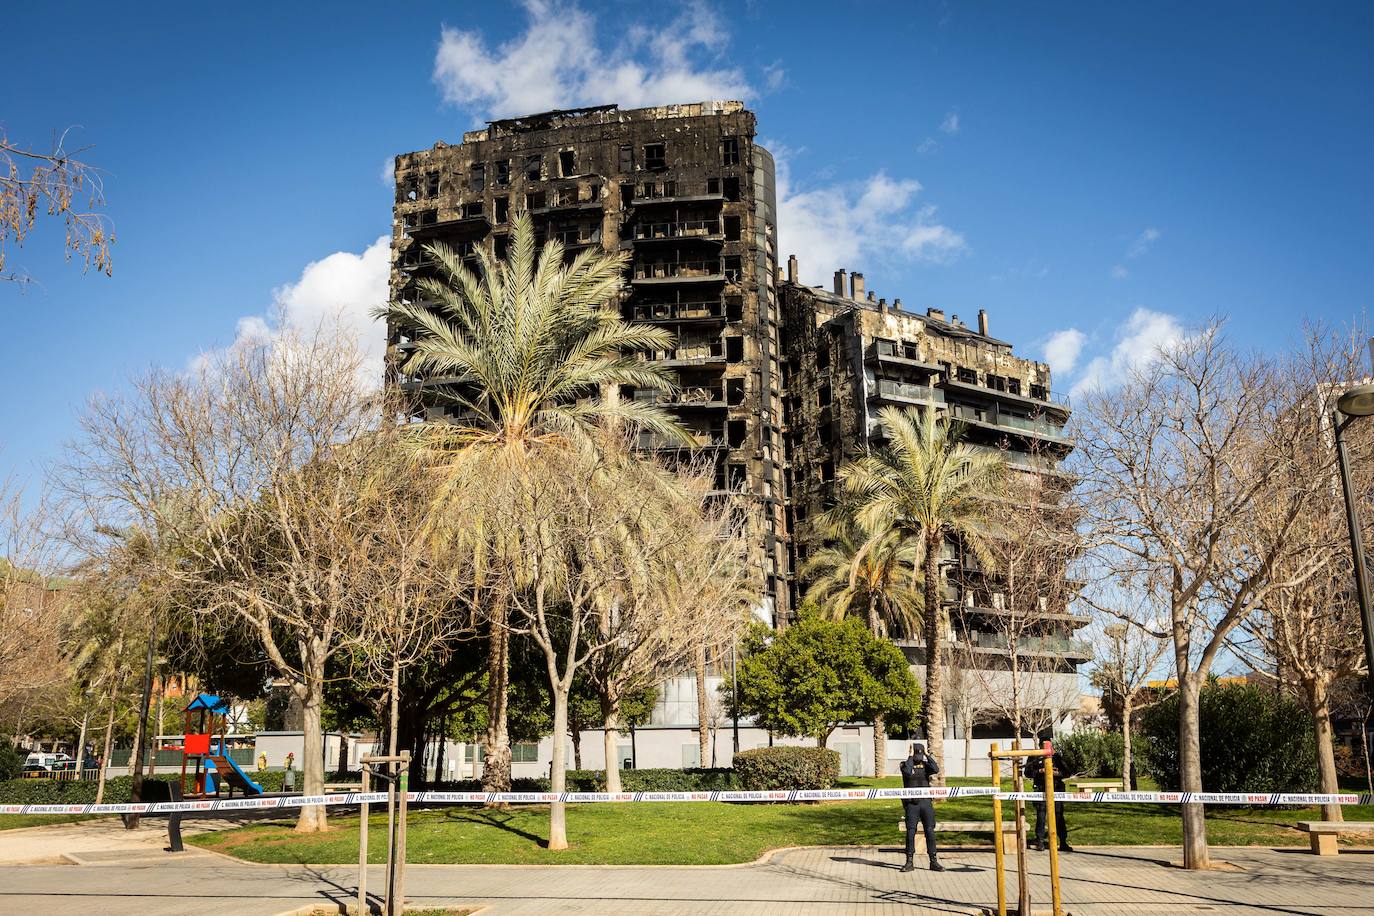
x=48, y=762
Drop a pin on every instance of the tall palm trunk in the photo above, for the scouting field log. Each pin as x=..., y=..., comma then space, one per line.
x=935, y=637
x=879, y=727
x=496, y=743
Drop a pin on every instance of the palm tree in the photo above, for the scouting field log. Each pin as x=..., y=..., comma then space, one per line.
x=926, y=487
x=874, y=577
x=532, y=351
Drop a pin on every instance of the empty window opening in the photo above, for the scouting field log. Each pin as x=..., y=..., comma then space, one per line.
x=713, y=186
x=827, y=471
x=627, y=158
x=734, y=349
x=996, y=382
x=567, y=163
x=736, y=431
x=734, y=476
x=472, y=210
x=1039, y=392
x=534, y=167
x=478, y=179
x=729, y=151
x=734, y=392
x=501, y=209
x=411, y=190
x=627, y=194
x=909, y=351
x=731, y=186
x=1014, y=385
x=734, y=309
x=732, y=228
x=534, y=200
x=823, y=355
x=966, y=375
x=432, y=184
x=733, y=268
x=503, y=173
x=500, y=245
x=655, y=156
x=823, y=394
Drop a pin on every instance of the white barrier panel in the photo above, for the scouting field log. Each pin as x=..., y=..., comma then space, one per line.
x=789, y=795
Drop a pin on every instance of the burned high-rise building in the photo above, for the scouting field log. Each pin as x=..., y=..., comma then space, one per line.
x=687, y=191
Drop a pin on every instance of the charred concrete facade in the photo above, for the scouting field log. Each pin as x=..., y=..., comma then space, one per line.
x=846, y=355
x=687, y=191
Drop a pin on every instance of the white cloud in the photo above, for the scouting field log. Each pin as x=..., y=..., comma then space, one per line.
x=774, y=76
x=853, y=224
x=1063, y=349
x=1119, y=272
x=950, y=124
x=928, y=145
x=1138, y=343
x=338, y=291
x=388, y=172
x=559, y=61
x=1143, y=243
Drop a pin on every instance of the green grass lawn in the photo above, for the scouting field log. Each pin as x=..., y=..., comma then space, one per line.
x=706, y=833
x=15, y=821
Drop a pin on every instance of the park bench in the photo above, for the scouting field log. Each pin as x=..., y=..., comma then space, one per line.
x=1323, y=834
x=1008, y=832
x=1094, y=785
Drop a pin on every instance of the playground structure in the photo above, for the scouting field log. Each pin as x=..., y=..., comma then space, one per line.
x=1023, y=900
x=205, y=768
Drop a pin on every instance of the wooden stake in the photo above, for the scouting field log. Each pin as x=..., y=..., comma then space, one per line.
x=996, y=764
x=1052, y=829
x=363, y=907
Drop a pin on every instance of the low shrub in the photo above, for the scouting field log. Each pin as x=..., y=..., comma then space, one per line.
x=1251, y=738
x=519, y=784
x=11, y=762
x=1090, y=753
x=787, y=768
x=656, y=780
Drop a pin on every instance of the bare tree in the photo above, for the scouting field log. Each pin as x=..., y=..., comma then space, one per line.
x=33, y=607
x=1310, y=629
x=61, y=185
x=269, y=453
x=1130, y=648
x=1015, y=601
x=1177, y=462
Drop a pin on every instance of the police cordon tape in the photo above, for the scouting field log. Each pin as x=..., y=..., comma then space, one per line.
x=227, y=805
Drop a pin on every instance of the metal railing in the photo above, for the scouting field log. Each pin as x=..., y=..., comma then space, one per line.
x=894, y=389
x=696, y=439
x=665, y=270
x=697, y=394
x=998, y=417
x=687, y=228
x=679, y=311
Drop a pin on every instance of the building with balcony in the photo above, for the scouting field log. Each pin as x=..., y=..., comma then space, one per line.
x=689, y=194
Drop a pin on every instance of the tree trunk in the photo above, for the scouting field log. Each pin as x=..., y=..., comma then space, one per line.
x=934, y=698
x=1195, y=853
x=575, y=733
x=1126, y=703
x=879, y=732
x=81, y=743
x=395, y=712
x=496, y=742
x=968, y=749
x=610, y=716
x=109, y=741
x=703, y=705
x=312, y=818
x=558, y=777
x=1318, y=701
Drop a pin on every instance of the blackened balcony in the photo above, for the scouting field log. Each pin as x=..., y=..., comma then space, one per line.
x=698, y=396
x=696, y=311
x=890, y=390
x=702, y=230
x=667, y=272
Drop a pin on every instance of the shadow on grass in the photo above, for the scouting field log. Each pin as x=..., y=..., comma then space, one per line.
x=495, y=817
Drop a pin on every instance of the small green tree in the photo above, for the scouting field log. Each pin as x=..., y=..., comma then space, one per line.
x=818, y=674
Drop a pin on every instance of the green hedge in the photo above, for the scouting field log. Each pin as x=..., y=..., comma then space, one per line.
x=1252, y=739
x=787, y=768
x=1090, y=753
x=656, y=780
x=11, y=762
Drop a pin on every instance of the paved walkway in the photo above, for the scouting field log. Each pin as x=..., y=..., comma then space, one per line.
x=134, y=879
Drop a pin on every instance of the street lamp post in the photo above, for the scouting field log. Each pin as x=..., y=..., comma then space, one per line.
x=1357, y=402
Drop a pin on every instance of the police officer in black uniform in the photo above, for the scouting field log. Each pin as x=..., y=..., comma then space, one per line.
x=916, y=772
x=1035, y=771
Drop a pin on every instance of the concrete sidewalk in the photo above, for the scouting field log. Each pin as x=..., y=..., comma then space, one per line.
x=1097, y=882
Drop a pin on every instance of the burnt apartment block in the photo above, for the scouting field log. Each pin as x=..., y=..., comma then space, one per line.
x=846, y=355
x=687, y=191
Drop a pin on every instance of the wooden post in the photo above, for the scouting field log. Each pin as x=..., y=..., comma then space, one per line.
x=1023, y=898
x=1000, y=854
x=1052, y=829
x=401, y=831
x=363, y=907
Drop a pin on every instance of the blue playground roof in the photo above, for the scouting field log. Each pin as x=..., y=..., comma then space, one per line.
x=210, y=702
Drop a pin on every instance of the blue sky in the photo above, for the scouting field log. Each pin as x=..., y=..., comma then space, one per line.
x=1099, y=177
